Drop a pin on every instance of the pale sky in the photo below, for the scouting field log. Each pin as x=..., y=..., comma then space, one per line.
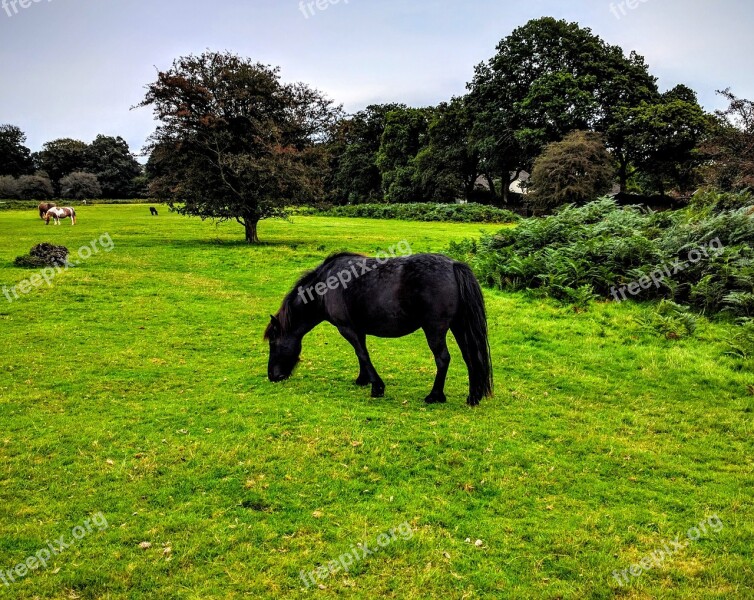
x=73, y=68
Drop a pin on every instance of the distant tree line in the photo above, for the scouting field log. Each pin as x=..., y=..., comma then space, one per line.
x=67, y=168
x=555, y=102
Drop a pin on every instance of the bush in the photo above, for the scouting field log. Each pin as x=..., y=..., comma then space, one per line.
x=604, y=247
x=574, y=170
x=80, y=186
x=669, y=320
x=457, y=213
x=8, y=187
x=34, y=187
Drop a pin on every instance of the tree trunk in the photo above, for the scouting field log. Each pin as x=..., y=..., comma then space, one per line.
x=491, y=183
x=623, y=174
x=251, y=231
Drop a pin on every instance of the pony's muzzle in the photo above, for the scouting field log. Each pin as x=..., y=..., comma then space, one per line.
x=278, y=377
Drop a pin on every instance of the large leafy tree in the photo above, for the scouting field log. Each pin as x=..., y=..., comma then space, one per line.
x=663, y=139
x=110, y=159
x=548, y=78
x=448, y=166
x=355, y=176
x=235, y=143
x=61, y=157
x=15, y=157
x=405, y=135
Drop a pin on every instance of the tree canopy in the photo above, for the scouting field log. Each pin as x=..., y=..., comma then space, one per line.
x=549, y=78
x=110, y=160
x=730, y=145
x=234, y=142
x=15, y=157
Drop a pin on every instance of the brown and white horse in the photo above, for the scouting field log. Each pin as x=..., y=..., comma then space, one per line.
x=44, y=207
x=57, y=213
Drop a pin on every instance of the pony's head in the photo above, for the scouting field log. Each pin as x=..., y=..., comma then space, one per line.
x=285, y=349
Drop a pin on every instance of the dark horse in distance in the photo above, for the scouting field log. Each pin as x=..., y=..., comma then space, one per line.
x=390, y=298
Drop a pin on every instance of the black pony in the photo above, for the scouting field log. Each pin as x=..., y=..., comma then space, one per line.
x=388, y=298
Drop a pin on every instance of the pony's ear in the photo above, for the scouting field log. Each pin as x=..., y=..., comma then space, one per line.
x=273, y=329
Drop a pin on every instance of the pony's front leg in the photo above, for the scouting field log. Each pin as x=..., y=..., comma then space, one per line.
x=367, y=374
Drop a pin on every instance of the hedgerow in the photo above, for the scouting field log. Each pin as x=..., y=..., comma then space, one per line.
x=419, y=211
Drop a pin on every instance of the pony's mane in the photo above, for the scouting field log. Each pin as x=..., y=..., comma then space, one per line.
x=305, y=281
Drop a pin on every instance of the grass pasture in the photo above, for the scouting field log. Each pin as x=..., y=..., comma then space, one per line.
x=135, y=386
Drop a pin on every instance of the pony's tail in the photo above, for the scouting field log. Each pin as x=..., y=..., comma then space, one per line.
x=470, y=330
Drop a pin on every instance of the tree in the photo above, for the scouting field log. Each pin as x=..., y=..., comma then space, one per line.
x=663, y=138
x=34, y=187
x=574, y=171
x=404, y=136
x=448, y=167
x=15, y=157
x=234, y=141
x=80, y=186
x=355, y=176
x=730, y=145
x=546, y=79
x=60, y=157
x=110, y=159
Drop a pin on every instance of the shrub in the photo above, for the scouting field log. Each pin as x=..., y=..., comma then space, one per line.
x=574, y=170
x=669, y=320
x=80, y=186
x=741, y=342
x=8, y=188
x=603, y=247
x=34, y=187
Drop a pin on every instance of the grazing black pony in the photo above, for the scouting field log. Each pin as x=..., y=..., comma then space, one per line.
x=153, y=211
x=387, y=298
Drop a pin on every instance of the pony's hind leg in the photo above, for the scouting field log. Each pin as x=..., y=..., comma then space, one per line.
x=368, y=374
x=363, y=379
x=436, y=338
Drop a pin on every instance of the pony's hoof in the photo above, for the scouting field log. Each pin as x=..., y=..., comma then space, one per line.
x=362, y=382
x=436, y=399
x=472, y=401
x=378, y=392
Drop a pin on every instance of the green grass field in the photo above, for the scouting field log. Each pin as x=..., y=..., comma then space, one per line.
x=135, y=386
